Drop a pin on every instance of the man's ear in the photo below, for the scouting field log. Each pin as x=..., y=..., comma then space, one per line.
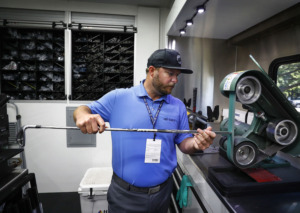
x=151, y=70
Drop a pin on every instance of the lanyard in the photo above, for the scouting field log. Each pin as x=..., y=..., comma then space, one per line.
x=153, y=120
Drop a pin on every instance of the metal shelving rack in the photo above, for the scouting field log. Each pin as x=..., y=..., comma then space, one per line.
x=32, y=63
x=101, y=62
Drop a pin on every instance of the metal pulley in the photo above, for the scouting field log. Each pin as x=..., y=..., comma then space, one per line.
x=244, y=154
x=248, y=90
x=245, y=151
x=283, y=132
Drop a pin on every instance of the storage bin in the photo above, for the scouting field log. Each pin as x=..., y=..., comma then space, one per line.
x=93, y=190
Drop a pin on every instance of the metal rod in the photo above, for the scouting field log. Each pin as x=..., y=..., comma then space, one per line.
x=257, y=64
x=21, y=133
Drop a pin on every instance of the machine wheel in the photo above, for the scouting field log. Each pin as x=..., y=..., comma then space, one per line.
x=245, y=154
x=248, y=90
x=222, y=141
x=283, y=132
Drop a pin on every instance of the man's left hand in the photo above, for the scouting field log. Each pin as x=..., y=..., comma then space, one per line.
x=204, y=138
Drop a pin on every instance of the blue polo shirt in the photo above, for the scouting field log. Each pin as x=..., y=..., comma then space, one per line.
x=125, y=108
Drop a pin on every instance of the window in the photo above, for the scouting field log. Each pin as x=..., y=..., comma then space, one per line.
x=286, y=73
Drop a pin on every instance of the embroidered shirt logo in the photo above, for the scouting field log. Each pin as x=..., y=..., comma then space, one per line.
x=170, y=119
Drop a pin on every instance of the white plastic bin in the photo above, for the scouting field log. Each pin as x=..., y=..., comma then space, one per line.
x=93, y=190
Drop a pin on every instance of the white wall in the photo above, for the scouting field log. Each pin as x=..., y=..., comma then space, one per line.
x=147, y=40
x=211, y=60
x=58, y=168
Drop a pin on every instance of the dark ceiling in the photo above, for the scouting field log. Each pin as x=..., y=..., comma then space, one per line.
x=222, y=19
x=226, y=18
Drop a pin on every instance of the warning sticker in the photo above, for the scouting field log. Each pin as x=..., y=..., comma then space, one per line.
x=228, y=81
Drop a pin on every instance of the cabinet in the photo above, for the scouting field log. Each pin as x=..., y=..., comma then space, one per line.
x=101, y=62
x=32, y=63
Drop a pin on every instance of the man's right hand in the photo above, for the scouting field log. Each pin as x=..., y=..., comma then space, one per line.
x=87, y=122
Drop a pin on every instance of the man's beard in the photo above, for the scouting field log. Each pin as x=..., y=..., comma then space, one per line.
x=160, y=88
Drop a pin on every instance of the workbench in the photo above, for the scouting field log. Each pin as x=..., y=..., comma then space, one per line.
x=212, y=199
x=12, y=191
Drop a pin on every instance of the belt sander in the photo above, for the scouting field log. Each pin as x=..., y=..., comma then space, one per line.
x=275, y=125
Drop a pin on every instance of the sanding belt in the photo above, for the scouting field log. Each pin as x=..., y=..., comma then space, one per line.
x=261, y=175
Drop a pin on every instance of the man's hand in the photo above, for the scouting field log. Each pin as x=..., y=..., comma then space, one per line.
x=87, y=122
x=201, y=140
x=204, y=138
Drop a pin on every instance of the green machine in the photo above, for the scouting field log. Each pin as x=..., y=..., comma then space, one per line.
x=275, y=126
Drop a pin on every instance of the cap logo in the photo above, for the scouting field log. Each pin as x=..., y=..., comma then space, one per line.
x=179, y=59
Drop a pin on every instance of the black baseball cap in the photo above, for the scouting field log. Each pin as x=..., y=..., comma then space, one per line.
x=167, y=58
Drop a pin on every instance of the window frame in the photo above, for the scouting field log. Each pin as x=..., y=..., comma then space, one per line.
x=273, y=69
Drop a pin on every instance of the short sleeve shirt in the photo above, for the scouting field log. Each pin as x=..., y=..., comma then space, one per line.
x=125, y=108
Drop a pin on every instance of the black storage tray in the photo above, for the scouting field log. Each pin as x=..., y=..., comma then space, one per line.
x=231, y=181
x=6, y=154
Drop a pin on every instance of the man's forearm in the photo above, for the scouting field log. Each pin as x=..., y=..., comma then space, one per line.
x=187, y=146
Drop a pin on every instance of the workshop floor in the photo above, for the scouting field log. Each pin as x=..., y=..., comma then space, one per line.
x=60, y=202
x=63, y=202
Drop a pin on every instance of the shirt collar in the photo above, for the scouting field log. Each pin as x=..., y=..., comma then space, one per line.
x=140, y=91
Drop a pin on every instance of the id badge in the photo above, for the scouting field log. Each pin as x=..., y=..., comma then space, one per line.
x=153, y=149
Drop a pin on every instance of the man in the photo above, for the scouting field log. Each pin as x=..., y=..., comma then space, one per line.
x=143, y=162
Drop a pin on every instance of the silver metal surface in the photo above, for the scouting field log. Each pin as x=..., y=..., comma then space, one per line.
x=248, y=90
x=283, y=132
x=76, y=138
x=209, y=198
x=245, y=155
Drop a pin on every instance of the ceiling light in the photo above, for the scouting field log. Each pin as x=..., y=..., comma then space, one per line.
x=201, y=9
x=182, y=31
x=189, y=22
